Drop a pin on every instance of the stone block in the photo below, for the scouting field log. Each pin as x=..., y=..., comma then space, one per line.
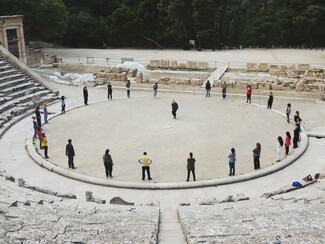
x=228, y=199
x=208, y=201
x=241, y=84
x=191, y=65
x=303, y=67
x=292, y=74
x=182, y=66
x=195, y=82
x=89, y=195
x=251, y=67
x=164, y=80
x=139, y=78
x=184, y=81
x=240, y=197
x=217, y=83
x=164, y=64
x=173, y=64
x=120, y=201
x=263, y=67
x=312, y=87
x=284, y=67
x=202, y=65
x=274, y=67
x=124, y=77
x=154, y=64
x=263, y=85
x=276, y=87
x=152, y=81
x=132, y=72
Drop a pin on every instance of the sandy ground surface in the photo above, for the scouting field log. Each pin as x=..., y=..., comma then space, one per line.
x=274, y=56
x=208, y=127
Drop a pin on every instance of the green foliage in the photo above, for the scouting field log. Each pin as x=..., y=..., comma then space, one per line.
x=172, y=23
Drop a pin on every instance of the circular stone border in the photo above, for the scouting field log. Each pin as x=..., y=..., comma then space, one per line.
x=37, y=158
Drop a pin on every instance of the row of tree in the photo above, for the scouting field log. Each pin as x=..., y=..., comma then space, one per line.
x=172, y=23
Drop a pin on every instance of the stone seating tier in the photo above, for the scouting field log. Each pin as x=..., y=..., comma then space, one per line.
x=19, y=92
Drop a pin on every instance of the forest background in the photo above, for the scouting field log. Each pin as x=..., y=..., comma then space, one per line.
x=213, y=24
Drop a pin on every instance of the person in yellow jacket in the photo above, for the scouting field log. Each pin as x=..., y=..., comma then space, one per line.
x=44, y=145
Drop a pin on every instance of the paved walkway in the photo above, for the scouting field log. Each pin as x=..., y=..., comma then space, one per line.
x=14, y=159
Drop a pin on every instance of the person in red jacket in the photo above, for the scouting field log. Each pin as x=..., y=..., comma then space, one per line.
x=249, y=93
x=288, y=143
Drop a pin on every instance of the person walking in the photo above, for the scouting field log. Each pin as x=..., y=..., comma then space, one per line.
x=249, y=94
x=256, y=155
x=270, y=101
x=297, y=119
x=45, y=145
x=145, y=161
x=45, y=113
x=128, y=88
x=155, y=89
x=39, y=135
x=232, y=160
x=69, y=151
x=288, y=143
x=108, y=163
x=190, y=167
x=208, y=88
x=279, y=146
x=62, y=104
x=34, y=126
x=85, y=92
x=288, y=111
x=296, y=133
x=38, y=116
x=174, y=108
x=224, y=90
x=109, y=91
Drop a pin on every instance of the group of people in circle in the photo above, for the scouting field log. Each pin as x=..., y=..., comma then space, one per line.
x=144, y=159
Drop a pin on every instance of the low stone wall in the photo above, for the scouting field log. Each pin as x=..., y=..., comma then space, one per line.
x=117, y=74
x=177, y=65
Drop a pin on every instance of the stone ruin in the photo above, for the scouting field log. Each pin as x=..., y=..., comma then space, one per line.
x=116, y=74
x=299, y=78
x=177, y=65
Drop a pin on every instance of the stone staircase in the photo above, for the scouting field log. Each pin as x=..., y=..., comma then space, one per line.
x=216, y=75
x=19, y=90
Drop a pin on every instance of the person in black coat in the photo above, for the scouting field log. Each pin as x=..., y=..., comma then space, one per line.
x=257, y=154
x=109, y=90
x=296, y=136
x=174, y=108
x=85, y=95
x=38, y=116
x=208, y=88
x=270, y=101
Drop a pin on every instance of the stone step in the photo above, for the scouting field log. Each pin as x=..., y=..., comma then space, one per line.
x=19, y=87
x=12, y=77
x=12, y=83
x=9, y=72
x=6, y=67
x=23, y=93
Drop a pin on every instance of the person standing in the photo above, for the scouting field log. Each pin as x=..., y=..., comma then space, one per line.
x=69, y=151
x=85, y=92
x=279, y=146
x=34, y=125
x=44, y=145
x=174, y=108
x=224, y=90
x=155, y=89
x=38, y=116
x=145, y=161
x=62, y=104
x=190, y=167
x=249, y=94
x=109, y=90
x=288, y=143
x=45, y=113
x=108, y=163
x=208, y=88
x=297, y=119
x=256, y=155
x=39, y=135
x=288, y=111
x=270, y=101
x=128, y=88
x=232, y=160
x=296, y=136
